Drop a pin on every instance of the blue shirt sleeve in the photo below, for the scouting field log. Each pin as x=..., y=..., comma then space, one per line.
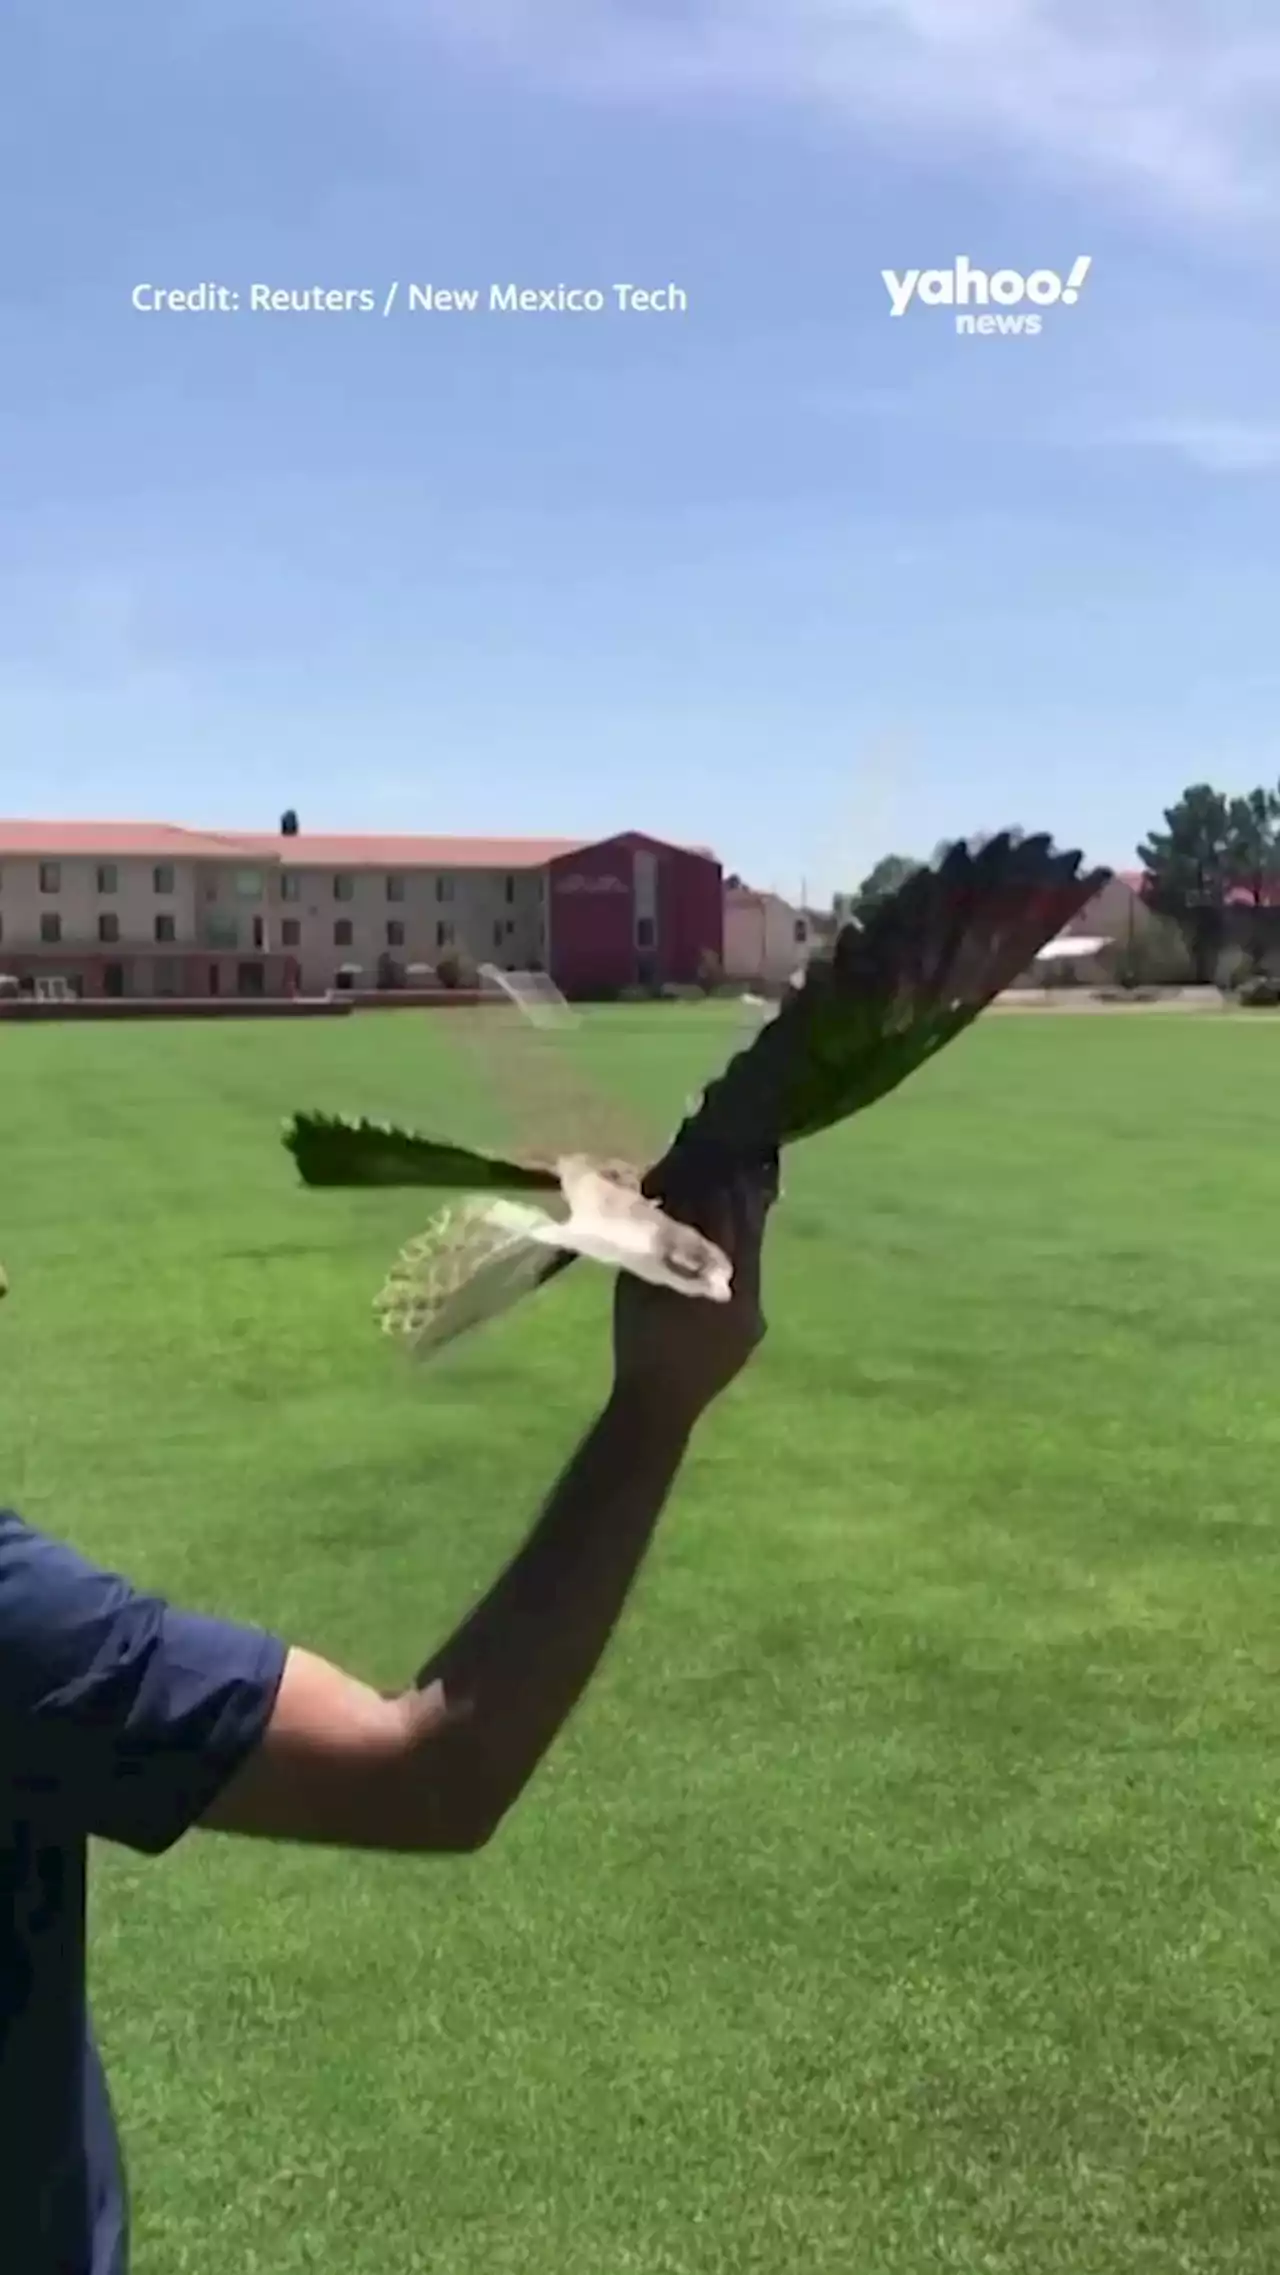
x=120, y=1716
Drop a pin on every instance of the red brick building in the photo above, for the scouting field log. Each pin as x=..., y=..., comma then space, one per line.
x=632, y=912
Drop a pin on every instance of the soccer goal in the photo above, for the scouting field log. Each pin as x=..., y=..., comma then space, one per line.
x=533, y=993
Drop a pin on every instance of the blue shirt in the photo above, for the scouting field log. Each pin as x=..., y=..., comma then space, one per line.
x=123, y=1719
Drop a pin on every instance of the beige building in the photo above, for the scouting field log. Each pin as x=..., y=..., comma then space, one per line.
x=1137, y=939
x=114, y=908
x=354, y=901
x=765, y=938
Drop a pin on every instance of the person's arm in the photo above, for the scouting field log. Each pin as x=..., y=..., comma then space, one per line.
x=437, y=1768
x=125, y=1717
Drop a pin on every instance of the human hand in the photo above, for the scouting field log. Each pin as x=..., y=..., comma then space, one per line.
x=681, y=1351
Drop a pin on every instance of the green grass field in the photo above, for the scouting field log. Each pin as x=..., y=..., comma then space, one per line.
x=906, y=1896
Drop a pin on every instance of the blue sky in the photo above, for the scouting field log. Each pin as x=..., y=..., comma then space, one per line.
x=783, y=573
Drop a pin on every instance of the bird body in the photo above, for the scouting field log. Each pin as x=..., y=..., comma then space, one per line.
x=477, y=1258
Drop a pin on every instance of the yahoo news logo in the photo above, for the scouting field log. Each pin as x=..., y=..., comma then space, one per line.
x=963, y=286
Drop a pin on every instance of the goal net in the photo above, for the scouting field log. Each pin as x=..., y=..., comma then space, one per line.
x=533, y=993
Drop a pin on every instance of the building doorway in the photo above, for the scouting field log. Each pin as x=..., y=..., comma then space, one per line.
x=113, y=979
x=249, y=979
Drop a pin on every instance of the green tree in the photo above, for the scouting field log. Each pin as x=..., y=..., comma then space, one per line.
x=1189, y=872
x=1255, y=861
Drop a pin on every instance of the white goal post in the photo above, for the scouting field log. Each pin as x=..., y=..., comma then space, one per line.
x=533, y=993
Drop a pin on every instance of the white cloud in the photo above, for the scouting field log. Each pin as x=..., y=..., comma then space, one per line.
x=1178, y=99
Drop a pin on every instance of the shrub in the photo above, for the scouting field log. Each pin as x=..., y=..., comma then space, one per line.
x=1262, y=993
x=710, y=971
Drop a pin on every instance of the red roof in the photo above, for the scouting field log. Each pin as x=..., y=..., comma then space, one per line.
x=157, y=841
x=1239, y=896
x=164, y=841
x=312, y=850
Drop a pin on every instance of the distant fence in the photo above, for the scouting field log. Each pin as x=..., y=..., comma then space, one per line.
x=338, y=1005
x=1089, y=999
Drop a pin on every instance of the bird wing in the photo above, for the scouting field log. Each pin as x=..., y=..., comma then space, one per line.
x=336, y=1149
x=889, y=995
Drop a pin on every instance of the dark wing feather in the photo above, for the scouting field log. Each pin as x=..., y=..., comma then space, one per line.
x=892, y=993
x=329, y=1149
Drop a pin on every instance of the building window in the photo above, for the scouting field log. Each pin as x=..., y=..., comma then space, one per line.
x=497, y=933
x=51, y=876
x=395, y=888
x=108, y=878
x=510, y=891
x=51, y=930
x=801, y=932
x=290, y=932
x=109, y=929
x=510, y=927
x=444, y=935
x=342, y=932
x=444, y=888
x=644, y=932
x=259, y=932
x=165, y=928
x=344, y=888
x=222, y=930
x=290, y=886
x=248, y=884
x=395, y=934
x=162, y=879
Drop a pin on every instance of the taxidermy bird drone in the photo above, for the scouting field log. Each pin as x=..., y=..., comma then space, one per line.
x=887, y=997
